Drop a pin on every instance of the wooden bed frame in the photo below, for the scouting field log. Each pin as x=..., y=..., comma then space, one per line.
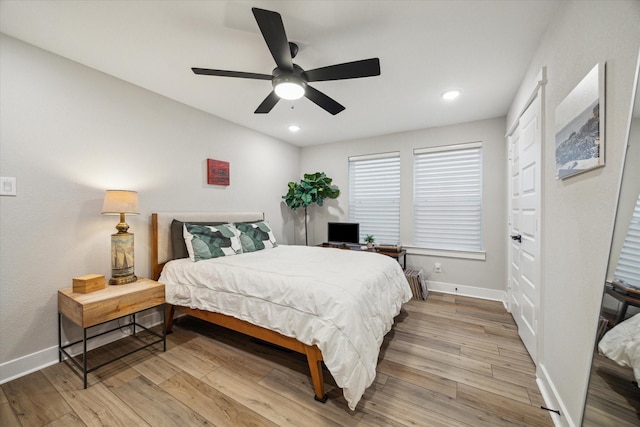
x=161, y=253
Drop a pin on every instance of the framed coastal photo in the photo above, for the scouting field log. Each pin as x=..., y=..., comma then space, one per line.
x=580, y=126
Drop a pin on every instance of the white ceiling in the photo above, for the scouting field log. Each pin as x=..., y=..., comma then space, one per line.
x=425, y=48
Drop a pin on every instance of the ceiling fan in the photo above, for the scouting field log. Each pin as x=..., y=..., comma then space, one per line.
x=288, y=79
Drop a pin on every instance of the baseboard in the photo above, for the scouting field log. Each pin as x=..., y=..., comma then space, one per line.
x=25, y=365
x=33, y=362
x=552, y=400
x=468, y=291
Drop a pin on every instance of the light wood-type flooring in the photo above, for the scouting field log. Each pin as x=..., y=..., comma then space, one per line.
x=613, y=399
x=449, y=361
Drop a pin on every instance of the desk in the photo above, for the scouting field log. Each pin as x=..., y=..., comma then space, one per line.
x=393, y=254
x=624, y=294
x=397, y=255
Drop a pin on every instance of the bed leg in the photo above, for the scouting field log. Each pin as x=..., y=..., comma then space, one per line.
x=170, y=311
x=314, y=360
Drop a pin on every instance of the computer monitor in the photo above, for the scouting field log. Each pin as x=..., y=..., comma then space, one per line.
x=343, y=232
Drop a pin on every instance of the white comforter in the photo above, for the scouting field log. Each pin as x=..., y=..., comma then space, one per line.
x=342, y=301
x=622, y=344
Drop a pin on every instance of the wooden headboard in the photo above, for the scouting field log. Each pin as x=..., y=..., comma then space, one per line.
x=161, y=250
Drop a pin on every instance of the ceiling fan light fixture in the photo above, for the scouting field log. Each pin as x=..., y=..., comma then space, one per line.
x=289, y=87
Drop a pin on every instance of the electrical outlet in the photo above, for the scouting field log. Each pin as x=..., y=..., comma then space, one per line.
x=437, y=267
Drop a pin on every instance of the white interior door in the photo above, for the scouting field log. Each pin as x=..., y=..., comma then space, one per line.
x=524, y=206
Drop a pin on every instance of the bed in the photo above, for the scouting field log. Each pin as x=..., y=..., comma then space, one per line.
x=333, y=306
x=622, y=345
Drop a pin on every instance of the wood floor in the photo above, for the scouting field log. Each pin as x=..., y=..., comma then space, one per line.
x=449, y=361
x=613, y=399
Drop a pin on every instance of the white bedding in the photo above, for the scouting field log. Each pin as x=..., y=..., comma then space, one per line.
x=342, y=301
x=622, y=344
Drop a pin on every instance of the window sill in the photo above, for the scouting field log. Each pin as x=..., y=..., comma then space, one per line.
x=473, y=255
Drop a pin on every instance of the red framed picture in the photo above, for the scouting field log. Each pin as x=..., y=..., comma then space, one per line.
x=217, y=172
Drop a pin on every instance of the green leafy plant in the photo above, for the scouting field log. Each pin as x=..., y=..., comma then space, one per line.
x=313, y=188
x=369, y=239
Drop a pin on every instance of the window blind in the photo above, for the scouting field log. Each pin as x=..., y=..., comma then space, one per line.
x=374, y=196
x=628, y=267
x=448, y=197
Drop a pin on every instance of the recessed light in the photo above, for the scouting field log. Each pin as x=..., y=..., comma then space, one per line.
x=294, y=128
x=451, y=94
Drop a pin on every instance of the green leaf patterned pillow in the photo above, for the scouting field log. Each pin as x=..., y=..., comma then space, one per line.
x=209, y=241
x=255, y=236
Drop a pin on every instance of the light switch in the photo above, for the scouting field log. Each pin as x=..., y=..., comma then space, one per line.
x=8, y=186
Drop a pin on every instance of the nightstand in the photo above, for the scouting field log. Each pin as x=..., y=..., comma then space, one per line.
x=98, y=307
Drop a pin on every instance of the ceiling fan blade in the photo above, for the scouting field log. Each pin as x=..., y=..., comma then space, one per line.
x=348, y=70
x=323, y=101
x=224, y=73
x=269, y=102
x=272, y=30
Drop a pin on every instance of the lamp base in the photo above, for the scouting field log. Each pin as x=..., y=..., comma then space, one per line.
x=123, y=280
x=122, y=269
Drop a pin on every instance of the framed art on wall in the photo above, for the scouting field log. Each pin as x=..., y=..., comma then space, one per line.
x=217, y=172
x=580, y=142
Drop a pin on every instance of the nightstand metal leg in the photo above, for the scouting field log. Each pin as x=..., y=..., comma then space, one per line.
x=59, y=337
x=163, y=312
x=84, y=355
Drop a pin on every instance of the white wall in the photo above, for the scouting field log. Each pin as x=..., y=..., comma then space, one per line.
x=579, y=211
x=68, y=133
x=479, y=278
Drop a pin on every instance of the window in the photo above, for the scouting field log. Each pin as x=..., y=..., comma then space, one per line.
x=447, y=199
x=628, y=267
x=374, y=196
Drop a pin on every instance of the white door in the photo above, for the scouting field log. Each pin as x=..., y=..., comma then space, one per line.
x=524, y=257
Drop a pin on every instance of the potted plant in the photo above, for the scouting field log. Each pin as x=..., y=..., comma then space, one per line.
x=369, y=240
x=313, y=188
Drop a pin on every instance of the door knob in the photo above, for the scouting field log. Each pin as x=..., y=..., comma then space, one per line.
x=517, y=237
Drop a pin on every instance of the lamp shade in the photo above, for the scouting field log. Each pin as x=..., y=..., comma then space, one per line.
x=118, y=202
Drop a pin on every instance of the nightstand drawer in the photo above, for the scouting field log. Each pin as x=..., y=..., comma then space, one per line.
x=110, y=303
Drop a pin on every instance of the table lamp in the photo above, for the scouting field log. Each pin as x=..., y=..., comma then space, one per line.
x=121, y=202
